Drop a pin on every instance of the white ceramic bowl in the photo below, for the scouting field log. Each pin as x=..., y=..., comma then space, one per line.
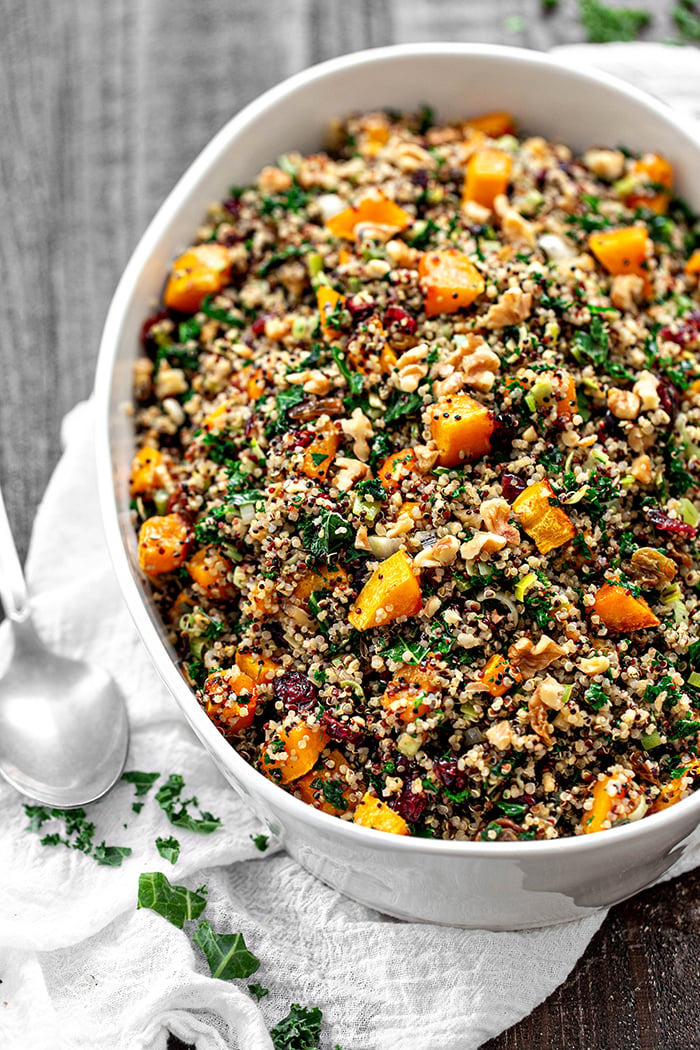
x=495, y=885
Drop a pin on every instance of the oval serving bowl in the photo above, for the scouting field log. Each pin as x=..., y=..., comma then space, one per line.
x=497, y=885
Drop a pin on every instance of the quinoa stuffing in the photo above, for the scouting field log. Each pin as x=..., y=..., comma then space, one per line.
x=417, y=480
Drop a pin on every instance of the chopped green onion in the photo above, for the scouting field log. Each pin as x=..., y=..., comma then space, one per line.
x=626, y=185
x=671, y=594
x=694, y=680
x=408, y=745
x=652, y=740
x=314, y=264
x=601, y=457
x=524, y=585
x=531, y=402
x=542, y=390
x=566, y=695
x=160, y=498
x=300, y=327
x=688, y=511
x=468, y=711
x=628, y=481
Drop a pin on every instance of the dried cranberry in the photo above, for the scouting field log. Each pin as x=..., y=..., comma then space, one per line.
x=395, y=315
x=232, y=205
x=505, y=428
x=258, y=326
x=669, y=399
x=359, y=308
x=303, y=438
x=420, y=178
x=609, y=426
x=232, y=237
x=146, y=337
x=339, y=730
x=688, y=330
x=296, y=691
x=664, y=523
x=512, y=485
x=449, y=775
x=409, y=805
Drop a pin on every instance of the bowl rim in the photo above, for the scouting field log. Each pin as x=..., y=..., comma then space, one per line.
x=133, y=592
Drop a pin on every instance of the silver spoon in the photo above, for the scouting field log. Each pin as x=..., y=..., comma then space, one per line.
x=63, y=726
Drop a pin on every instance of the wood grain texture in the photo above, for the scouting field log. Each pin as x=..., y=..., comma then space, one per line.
x=102, y=106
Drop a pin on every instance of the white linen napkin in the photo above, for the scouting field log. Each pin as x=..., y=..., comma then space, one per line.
x=82, y=968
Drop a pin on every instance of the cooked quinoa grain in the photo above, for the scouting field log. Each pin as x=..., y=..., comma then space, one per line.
x=417, y=481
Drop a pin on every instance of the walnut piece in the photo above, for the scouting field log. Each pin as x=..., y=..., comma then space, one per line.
x=626, y=290
x=351, y=470
x=411, y=368
x=548, y=694
x=641, y=469
x=500, y=735
x=530, y=658
x=647, y=390
x=495, y=514
x=274, y=180
x=624, y=404
x=482, y=543
x=513, y=307
x=594, y=665
x=605, y=163
x=441, y=553
x=359, y=429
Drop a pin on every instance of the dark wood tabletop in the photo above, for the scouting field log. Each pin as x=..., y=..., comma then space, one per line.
x=102, y=106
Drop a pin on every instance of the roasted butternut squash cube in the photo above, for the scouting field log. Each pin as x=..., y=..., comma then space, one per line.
x=328, y=300
x=373, y=813
x=461, y=427
x=201, y=271
x=487, y=176
x=164, y=542
x=391, y=591
x=379, y=211
x=622, y=251
x=620, y=611
x=302, y=745
x=548, y=525
x=449, y=281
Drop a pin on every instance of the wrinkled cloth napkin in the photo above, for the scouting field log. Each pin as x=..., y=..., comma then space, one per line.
x=82, y=968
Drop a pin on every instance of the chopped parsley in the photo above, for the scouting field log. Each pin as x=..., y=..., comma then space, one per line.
x=260, y=842
x=77, y=833
x=595, y=696
x=258, y=991
x=218, y=314
x=169, y=848
x=327, y=534
x=293, y=199
x=353, y=379
x=333, y=793
x=371, y=488
x=143, y=782
x=287, y=399
x=401, y=404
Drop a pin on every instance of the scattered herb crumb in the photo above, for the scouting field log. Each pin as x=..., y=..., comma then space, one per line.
x=77, y=833
x=168, y=848
x=258, y=991
x=175, y=807
x=299, y=1030
x=260, y=842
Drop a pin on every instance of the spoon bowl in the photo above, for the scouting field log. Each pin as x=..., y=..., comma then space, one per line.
x=64, y=731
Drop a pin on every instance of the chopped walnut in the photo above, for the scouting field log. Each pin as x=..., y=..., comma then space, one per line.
x=143, y=378
x=366, y=232
x=641, y=436
x=624, y=404
x=351, y=471
x=651, y=568
x=426, y=457
x=548, y=695
x=409, y=156
x=495, y=513
x=594, y=665
x=313, y=381
x=476, y=212
x=471, y=362
x=513, y=307
x=441, y=553
x=403, y=524
x=274, y=180
x=626, y=290
x=529, y=658
x=500, y=735
x=482, y=543
x=411, y=368
x=362, y=540
x=647, y=390
x=359, y=429
x=169, y=382
x=516, y=229
x=641, y=469
x=403, y=255
x=608, y=164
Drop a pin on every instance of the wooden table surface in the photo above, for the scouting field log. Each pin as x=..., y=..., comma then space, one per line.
x=102, y=106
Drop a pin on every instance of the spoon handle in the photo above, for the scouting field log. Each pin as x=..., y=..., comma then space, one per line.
x=13, y=589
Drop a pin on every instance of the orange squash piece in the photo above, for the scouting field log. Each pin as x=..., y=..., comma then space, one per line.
x=144, y=470
x=461, y=427
x=499, y=675
x=594, y=818
x=164, y=542
x=320, y=453
x=622, y=251
x=655, y=175
x=327, y=300
x=693, y=264
x=231, y=698
x=549, y=526
x=255, y=383
x=566, y=404
x=210, y=570
x=405, y=691
x=379, y=211
x=322, y=579
x=672, y=792
x=492, y=124
x=487, y=176
x=258, y=667
x=373, y=813
x=449, y=281
x=201, y=271
x=396, y=467
x=620, y=611
x=310, y=787
x=303, y=744
x=391, y=591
